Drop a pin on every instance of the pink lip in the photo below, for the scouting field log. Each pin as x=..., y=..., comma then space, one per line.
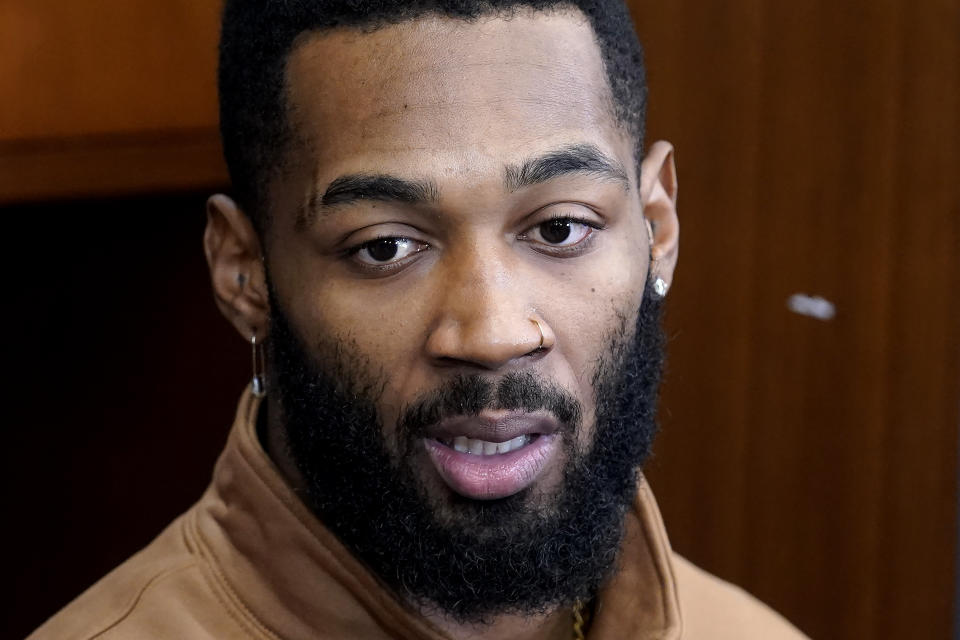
x=496, y=476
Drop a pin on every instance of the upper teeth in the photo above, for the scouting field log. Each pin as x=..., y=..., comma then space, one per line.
x=484, y=448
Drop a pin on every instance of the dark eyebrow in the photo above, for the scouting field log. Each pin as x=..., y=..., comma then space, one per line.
x=362, y=186
x=584, y=159
x=353, y=188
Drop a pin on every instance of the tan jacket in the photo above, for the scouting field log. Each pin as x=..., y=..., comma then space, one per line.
x=249, y=560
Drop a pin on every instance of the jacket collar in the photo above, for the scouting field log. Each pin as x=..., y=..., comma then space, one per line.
x=285, y=575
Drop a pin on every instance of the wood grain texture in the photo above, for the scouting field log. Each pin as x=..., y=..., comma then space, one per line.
x=111, y=166
x=70, y=69
x=814, y=462
x=107, y=97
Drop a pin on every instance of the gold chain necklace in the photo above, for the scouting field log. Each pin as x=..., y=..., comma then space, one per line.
x=578, y=621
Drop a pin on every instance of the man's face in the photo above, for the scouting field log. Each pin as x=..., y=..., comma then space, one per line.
x=457, y=255
x=461, y=270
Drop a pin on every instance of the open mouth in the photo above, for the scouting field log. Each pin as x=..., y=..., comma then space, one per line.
x=492, y=456
x=477, y=447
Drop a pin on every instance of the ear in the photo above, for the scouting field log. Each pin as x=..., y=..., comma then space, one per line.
x=237, y=272
x=658, y=196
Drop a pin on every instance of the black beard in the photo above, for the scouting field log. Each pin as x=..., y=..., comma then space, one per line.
x=470, y=559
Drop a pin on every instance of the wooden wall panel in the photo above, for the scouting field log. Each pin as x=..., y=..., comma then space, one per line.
x=71, y=69
x=814, y=462
x=111, y=166
x=718, y=177
x=924, y=385
x=107, y=97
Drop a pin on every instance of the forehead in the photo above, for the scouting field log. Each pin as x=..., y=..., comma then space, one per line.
x=450, y=95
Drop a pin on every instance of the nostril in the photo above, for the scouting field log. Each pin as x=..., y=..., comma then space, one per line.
x=487, y=341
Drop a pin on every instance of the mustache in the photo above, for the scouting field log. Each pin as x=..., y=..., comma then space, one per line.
x=474, y=394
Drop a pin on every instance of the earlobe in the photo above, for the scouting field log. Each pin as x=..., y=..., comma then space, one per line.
x=235, y=259
x=658, y=194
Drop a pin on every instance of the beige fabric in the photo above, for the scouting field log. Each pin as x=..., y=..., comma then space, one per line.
x=250, y=561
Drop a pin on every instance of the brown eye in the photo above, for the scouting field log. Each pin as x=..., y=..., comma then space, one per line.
x=560, y=232
x=555, y=231
x=384, y=251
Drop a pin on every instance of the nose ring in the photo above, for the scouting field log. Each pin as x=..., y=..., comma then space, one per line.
x=540, y=329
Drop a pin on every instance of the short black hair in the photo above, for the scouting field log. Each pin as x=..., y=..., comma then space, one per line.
x=258, y=35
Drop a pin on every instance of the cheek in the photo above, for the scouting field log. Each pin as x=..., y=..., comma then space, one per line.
x=378, y=330
x=594, y=301
x=591, y=310
x=381, y=333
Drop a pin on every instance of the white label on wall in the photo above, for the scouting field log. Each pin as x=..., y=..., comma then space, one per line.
x=812, y=306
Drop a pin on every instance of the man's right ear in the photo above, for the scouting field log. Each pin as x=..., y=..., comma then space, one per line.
x=237, y=272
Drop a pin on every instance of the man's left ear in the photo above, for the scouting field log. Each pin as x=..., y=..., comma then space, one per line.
x=658, y=197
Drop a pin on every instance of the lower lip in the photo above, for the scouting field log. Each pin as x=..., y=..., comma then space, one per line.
x=496, y=476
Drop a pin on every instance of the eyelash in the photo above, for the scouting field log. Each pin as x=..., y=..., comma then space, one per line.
x=578, y=247
x=387, y=267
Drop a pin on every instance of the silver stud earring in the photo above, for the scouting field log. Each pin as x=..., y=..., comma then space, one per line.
x=258, y=384
x=660, y=287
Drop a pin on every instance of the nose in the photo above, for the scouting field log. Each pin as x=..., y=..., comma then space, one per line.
x=485, y=318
